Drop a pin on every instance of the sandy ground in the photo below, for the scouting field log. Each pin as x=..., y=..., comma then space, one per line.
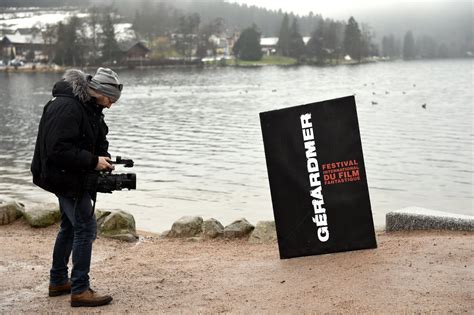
x=416, y=272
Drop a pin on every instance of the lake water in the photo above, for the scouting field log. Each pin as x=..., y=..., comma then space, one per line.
x=195, y=137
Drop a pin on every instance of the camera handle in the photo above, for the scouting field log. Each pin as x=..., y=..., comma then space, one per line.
x=124, y=162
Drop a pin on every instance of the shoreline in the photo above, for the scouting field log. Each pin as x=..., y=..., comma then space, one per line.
x=214, y=64
x=41, y=68
x=379, y=220
x=242, y=65
x=428, y=271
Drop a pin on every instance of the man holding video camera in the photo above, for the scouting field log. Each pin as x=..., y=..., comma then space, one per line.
x=71, y=143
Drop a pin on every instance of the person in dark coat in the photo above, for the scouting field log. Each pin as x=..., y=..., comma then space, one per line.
x=71, y=143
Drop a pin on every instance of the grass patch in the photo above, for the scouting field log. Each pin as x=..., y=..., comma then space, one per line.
x=268, y=61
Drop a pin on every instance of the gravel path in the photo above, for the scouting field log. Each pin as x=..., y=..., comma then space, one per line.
x=417, y=272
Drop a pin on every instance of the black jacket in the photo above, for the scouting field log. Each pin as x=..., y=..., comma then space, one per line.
x=71, y=136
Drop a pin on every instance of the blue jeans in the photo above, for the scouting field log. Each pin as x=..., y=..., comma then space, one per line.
x=78, y=231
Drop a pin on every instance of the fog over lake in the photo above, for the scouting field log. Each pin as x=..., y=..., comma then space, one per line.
x=195, y=136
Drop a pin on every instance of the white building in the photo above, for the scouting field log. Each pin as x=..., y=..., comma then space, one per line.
x=269, y=45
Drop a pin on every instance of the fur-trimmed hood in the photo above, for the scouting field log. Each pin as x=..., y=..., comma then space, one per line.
x=74, y=83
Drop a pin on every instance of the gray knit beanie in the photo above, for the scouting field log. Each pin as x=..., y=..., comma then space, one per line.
x=106, y=82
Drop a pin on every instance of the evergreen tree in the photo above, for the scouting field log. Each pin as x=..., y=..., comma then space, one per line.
x=330, y=38
x=143, y=21
x=137, y=25
x=387, y=47
x=390, y=47
x=186, y=40
x=110, y=49
x=283, y=45
x=248, y=46
x=427, y=47
x=397, y=48
x=49, y=35
x=94, y=19
x=69, y=46
x=153, y=21
x=368, y=47
x=353, y=40
x=315, y=46
x=59, y=47
x=297, y=47
x=75, y=43
x=409, y=49
x=335, y=39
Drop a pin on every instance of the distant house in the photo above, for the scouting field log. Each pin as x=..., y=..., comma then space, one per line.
x=269, y=45
x=223, y=44
x=134, y=51
x=18, y=45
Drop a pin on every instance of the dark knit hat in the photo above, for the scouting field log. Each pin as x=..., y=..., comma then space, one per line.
x=106, y=82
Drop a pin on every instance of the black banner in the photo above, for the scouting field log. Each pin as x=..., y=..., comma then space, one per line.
x=317, y=178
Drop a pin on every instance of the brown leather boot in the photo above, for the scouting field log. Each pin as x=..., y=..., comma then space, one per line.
x=57, y=290
x=89, y=298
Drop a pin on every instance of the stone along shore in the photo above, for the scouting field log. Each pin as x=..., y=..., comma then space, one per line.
x=120, y=224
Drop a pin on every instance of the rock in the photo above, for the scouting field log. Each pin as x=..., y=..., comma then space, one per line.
x=265, y=231
x=238, y=229
x=100, y=216
x=42, y=215
x=118, y=225
x=10, y=211
x=165, y=234
x=415, y=218
x=212, y=228
x=186, y=227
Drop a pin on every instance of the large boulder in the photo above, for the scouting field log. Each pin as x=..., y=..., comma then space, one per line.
x=42, y=215
x=264, y=232
x=165, y=234
x=238, y=229
x=100, y=216
x=416, y=218
x=212, y=228
x=186, y=227
x=117, y=225
x=10, y=211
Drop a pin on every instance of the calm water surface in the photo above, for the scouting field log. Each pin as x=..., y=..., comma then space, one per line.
x=195, y=136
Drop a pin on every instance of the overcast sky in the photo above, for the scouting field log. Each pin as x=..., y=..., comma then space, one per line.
x=330, y=8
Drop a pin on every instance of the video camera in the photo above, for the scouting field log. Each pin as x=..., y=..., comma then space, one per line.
x=106, y=182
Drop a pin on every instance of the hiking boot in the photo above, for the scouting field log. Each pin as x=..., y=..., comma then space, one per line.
x=57, y=290
x=89, y=298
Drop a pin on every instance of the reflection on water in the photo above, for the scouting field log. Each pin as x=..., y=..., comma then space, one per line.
x=195, y=136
